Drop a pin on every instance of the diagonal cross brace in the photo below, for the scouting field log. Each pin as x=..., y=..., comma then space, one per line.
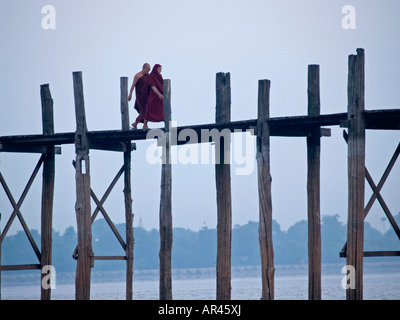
x=385, y=208
x=99, y=204
x=17, y=206
x=376, y=191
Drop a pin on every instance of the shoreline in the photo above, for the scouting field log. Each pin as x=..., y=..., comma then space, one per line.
x=32, y=277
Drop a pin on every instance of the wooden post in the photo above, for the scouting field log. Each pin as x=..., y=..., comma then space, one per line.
x=264, y=192
x=223, y=185
x=166, y=204
x=356, y=173
x=313, y=188
x=127, y=190
x=47, y=187
x=82, y=206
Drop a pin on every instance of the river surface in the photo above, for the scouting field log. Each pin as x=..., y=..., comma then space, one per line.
x=197, y=284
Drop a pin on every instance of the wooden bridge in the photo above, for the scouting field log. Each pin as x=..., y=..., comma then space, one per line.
x=312, y=126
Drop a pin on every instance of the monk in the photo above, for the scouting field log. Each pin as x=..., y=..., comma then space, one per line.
x=155, y=104
x=142, y=94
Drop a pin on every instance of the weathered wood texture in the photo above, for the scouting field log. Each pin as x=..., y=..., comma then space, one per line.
x=166, y=205
x=47, y=187
x=127, y=191
x=376, y=195
x=356, y=173
x=82, y=205
x=223, y=185
x=313, y=188
x=377, y=189
x=264, y=192
x=100, y=208
x=17, y=213
x=20, y=267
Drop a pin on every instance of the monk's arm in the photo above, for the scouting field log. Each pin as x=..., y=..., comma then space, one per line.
x=135, y=79
x=157, y=92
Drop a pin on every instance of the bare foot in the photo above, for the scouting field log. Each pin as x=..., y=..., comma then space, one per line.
x=145, y=127
x=134, y=125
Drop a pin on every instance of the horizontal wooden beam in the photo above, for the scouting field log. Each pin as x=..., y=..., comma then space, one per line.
x=40, y=139
x=20, y=267
x=375, y=254
x=378, y=120
x=382, y=119
x=294, y=126
x=109, y=145
x=323, y=120
x=28, y=148
x=109, y=257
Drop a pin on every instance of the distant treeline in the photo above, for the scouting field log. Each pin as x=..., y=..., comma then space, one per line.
x=197, y=249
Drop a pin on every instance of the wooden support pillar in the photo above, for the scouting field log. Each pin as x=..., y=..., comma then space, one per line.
x=356, y=174
x=82, y=205
x=264, y=192
x=47, y=188
x=166, y=204
x=223, y=185
x=127, y=190
x=313, y=188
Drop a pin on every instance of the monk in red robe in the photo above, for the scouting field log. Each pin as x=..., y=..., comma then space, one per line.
x=142, y=94
x=155, y=104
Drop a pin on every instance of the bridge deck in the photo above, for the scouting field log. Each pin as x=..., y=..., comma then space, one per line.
x=294, y=126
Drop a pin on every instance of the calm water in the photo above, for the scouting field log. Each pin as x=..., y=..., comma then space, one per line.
x=376, y=286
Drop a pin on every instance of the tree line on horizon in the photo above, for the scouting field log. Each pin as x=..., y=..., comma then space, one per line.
x=197, y=249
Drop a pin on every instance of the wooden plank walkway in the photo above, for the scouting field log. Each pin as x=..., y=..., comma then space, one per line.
x=293, y=126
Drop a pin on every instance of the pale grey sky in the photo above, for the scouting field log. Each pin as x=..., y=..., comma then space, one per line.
x=193, y=40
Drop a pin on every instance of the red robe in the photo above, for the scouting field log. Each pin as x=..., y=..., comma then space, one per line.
x=155, y=106
x=142, y=97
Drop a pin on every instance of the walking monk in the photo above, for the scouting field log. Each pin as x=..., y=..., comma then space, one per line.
x=142, y=93
x=155, y=104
